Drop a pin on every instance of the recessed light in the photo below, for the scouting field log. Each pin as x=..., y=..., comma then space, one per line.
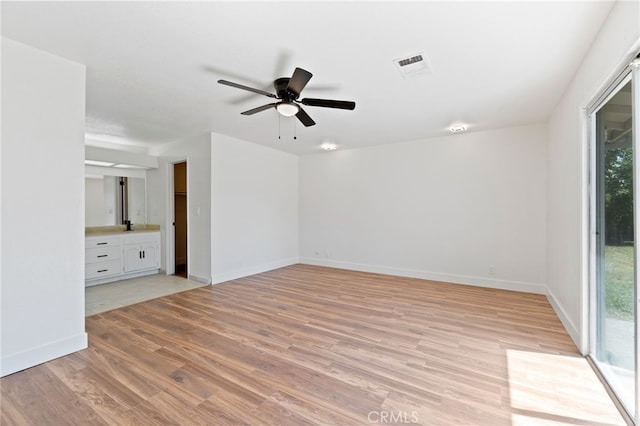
x=328, y=146
x=458, y=129
x=98, y=163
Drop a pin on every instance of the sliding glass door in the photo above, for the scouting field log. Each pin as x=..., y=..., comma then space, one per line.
x=614, y=345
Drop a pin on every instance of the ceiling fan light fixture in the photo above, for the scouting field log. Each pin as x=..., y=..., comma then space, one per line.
x=287, y=109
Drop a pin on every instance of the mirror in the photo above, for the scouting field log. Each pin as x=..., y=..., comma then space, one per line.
x=110, y=200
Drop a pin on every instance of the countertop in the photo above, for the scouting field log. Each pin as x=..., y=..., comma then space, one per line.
x=119, y=229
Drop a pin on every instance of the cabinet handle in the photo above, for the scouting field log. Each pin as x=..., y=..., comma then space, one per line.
x=139, y=255
x=143, y=254
x=101, y=244
x=103, y=255
x=103, y=270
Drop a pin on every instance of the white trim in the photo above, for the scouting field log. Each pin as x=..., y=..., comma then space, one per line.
x=200, y=279
x=257, y=269
x=565, y=319
x=586, y=339
x=635, y=125
x=538, y=288
x=170, y=236
x=611, y=81
x=588, y=303
x=40, y=354
x=617, y=78
x=123, y=276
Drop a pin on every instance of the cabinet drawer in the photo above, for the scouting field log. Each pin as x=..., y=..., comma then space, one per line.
x=96, y=242
x=102, y=254
x=141, y=237
x=102, y=269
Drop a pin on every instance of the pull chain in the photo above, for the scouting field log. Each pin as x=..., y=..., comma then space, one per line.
x=295, y=130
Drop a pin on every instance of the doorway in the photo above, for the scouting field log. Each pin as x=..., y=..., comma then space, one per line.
x=614, y=316
x=180, y=218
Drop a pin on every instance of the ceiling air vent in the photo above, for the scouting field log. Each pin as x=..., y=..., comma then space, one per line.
x=413, y=66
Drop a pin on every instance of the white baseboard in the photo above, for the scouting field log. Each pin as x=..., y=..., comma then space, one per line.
x=125, y=276
x=537, y=288
x=34, y=356
x=573, y=331
x=252, y=270
x=200, y=279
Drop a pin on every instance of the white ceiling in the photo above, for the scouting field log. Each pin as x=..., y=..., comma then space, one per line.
x=152, y=68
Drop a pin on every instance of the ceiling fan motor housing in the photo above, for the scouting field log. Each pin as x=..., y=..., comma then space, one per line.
x=280, y=85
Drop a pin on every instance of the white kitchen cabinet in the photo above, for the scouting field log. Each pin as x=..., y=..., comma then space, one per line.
x=141, y=256
x=124, y=255
x=103, y=258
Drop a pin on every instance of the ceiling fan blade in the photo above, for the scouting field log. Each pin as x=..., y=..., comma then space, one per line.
x=250, y=89
x=328, y=103
x=298, y=80
x=258, y=109
x=304, y=118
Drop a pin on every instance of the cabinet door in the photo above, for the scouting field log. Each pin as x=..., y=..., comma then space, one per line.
x=132, y=257
x=150, y=257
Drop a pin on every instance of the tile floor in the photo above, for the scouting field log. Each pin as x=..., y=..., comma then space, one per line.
x=105, y=297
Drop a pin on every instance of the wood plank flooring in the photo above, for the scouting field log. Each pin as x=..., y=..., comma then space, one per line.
x=305, y=345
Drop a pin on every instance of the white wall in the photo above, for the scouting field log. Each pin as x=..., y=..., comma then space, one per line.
x=445, y=208
x=568, y=171
x=197, y=151
x=42, y=219
x=254, y=208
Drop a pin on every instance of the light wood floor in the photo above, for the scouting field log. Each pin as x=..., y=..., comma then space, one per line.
x=305, y=345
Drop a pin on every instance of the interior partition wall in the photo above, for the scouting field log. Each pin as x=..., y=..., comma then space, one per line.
x=615, y=231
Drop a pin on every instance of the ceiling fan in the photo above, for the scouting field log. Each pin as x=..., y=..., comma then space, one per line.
x=287, y=92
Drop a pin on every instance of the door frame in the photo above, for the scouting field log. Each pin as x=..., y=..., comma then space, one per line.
x=625, y=73
x=170, y=242
x=635, y=126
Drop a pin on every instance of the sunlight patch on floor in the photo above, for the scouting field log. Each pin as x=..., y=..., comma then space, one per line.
x=542, y=391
